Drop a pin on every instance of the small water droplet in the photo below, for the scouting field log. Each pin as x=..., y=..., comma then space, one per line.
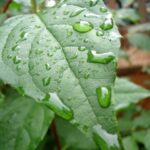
x=103, y=9
x=15, y=47
x=87, y=75
x=83, y=26
x=77, y=12
x=91, y=15
x=105, y=140
x=82, y=48
x=86, y=40
x=50, y=3
x=93, y=2
x=16, y=60
x=53, y=102
x=21, y=91
x=66, y=12
x=69, y=33
x=104, y=96
x=38, y=52
x=108, y=24
x=99, y=33
x=23, y=35
x=47, y=66
x=103, y=58
x=46, y=81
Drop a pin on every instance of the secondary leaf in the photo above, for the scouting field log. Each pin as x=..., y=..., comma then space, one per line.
x=46, y=58
x=127, y=93
x=23, y=123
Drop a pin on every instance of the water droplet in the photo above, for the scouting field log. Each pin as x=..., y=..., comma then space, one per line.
x=87, y=75
x=105, y=140
x=16, y=60
x=66, y=12
x=38, y=52
x=104, y=96
x=46, y=81
x=86, y=40
x=15, y=47
x=77, y=12
x=23, y=35
x=50, y=3
x=74, y=56
x=103, y=58
x=99, y=33
x=47, y=66
x=53, y=102
x=82, y=48
x=91, y=15
x=103, y=9
x=83, y=26
x=108, y=24
x=93, y=2
x=69, y=33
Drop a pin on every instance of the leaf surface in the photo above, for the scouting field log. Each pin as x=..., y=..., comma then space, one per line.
x=42, y=54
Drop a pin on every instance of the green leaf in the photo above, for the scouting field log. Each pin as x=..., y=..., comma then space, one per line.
x=129, y=143
x=47, y=59
x=23, y=123
x=128, y=93
x=72, y=138
x=140, y=40
x=146, y=140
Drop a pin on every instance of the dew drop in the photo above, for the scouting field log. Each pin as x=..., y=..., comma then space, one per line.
x=48, y=67
x=108, y=24
x=82, y=48
x=83, y=26
x=23, y=35
x=87, y=75
x=50, y=3
x=53, y=102
x=21, y=91
x=103, y=58
x=69, y=33
x=16, y=60
x=38, y=52
x=105, y=140
x=104, y=96
x=86, y=40
x=93, y=2
x=103, y=9
x=46, y=81
x=15, y=47
x=76, y=12
x=66, y=12
x=99, y=33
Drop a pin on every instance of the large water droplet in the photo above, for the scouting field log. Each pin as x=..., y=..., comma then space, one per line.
x=93, y=2
x=103, y=9
x=16, y=60
x=76, y=12
x=108, y=24
x=53, y=102
x=83, y=26
x=104, y=96
x=103, y=58
x=105, y=140
x=46, y=81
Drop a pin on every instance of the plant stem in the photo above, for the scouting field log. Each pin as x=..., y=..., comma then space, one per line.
x=56, y=137
x=34, y=6
x=5, y=8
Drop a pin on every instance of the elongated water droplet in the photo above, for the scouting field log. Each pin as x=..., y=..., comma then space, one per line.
x=105, y=140
x=53, y=102
x=16, y=60
x=83, y=26
x=108, y=24
x=82, y=48
x=93, y=2
x=99, y=33
x=91, y=15
x=76, y=12
x=46, y=81
x=103, y=9
x=103, y=58
x=104, y=96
